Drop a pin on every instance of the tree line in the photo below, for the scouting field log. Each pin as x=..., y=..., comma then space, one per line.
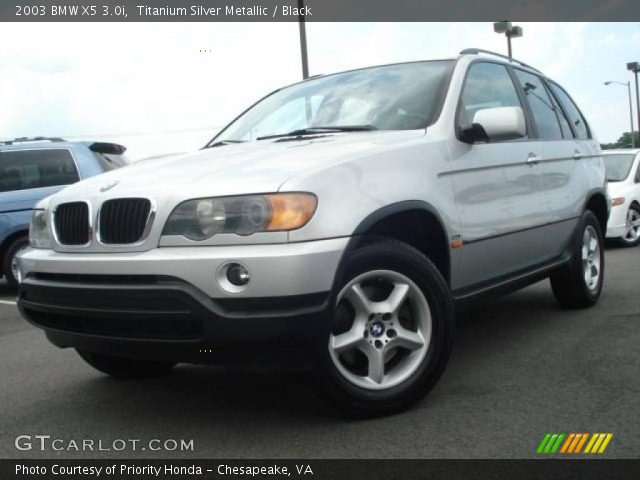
x=623, y=142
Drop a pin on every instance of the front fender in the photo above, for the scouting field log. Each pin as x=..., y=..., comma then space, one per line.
x=351, y=191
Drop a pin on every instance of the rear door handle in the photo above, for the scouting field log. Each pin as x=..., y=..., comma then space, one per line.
x=532, y=159
x=577, y=154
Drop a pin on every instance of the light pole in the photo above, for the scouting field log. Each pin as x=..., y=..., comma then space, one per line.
x=303, y=41
x=628, y=85
x=635, y=68
x=509, y=31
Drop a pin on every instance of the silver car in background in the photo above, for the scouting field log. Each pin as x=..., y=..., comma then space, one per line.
x=348, y=214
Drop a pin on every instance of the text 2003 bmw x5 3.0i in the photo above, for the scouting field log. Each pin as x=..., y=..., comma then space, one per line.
x=348, y=212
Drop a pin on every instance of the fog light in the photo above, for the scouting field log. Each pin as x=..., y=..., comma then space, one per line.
x=238, y=275
x=233, y=277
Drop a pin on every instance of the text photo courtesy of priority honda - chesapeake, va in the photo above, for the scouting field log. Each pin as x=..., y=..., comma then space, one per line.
x=317, y=239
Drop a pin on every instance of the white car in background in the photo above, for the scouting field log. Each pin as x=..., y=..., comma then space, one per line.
x=623, y=175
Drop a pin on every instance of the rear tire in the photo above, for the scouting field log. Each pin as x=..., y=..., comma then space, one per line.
x=397, y=337
x=14, y=248
x=120, y=367
x=579, y=284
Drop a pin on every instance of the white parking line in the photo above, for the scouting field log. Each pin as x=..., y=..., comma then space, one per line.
x=8, y=302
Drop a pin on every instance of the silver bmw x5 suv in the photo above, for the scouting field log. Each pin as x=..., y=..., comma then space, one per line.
x=348, y=214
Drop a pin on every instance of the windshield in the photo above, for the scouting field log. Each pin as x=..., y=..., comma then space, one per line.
x=393, y=97
x=618, y=166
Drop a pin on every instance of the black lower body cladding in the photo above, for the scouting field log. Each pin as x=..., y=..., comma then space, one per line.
x=163, y=318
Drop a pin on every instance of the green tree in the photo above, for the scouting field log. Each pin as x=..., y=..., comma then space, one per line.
x=623, y=142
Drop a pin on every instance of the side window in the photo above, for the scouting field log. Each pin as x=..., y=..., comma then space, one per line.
x=26, y=169
x=487, y=85
x=562, y=117
x=575, y=117
x=541, y=105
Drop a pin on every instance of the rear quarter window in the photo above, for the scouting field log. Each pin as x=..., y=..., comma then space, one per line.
x=576, y=119
x=27, y=169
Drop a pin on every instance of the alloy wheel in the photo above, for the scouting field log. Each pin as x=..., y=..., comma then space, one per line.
x=591, y=258
x=382, y=330
x=632, y=226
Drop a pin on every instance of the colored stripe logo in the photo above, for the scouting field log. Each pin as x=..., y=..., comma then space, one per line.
x=573, y=443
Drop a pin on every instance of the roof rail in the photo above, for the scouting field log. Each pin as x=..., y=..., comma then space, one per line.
x=32, y=139
x=475, y=51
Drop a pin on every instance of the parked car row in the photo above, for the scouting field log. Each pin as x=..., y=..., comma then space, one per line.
x=349, y=214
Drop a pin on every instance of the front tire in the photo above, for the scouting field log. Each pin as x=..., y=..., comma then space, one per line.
x=631, y=236
x=579, y=284
x=119, y=367
x=392, y=331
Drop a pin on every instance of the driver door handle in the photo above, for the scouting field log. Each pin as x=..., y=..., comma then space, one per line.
x=577, y=154
x=533, y=159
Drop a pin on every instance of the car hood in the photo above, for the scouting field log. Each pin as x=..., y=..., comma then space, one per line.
x=235, y=169
x=618, y=189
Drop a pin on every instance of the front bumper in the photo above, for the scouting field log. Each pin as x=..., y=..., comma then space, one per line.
x=164, y=318
x=277, y=270
x=165, y=304
x=617, y=221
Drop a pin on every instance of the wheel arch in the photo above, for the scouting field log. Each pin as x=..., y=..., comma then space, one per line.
x=414, y=222
x=597, y=203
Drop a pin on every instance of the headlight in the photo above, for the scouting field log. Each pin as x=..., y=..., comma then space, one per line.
x=202, y=218
x=38, y=231
x=210, y=217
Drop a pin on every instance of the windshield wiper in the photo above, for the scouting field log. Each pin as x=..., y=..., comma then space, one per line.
x=315, y=130
x=223, y=142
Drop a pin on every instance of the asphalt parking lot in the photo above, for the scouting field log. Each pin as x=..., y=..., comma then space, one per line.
x=521, y=367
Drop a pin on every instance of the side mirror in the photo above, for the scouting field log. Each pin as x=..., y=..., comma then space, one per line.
x=496, y=124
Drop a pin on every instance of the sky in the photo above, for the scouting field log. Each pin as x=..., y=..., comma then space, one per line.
x=162, y=88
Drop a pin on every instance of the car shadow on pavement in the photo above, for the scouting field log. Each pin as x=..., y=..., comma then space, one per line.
x=494, y=320
x=493, y=324
x=7, y=292
x=193, y=394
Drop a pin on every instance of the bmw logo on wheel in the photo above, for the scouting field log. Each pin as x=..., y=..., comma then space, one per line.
x=376, y=329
